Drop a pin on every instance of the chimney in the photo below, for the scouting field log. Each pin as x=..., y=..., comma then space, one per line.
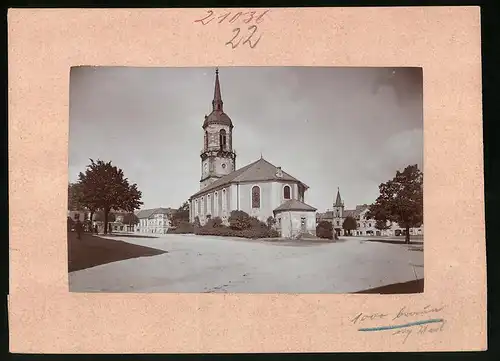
x=279, y=172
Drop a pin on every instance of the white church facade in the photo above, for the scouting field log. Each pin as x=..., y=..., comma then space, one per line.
x=260, y=189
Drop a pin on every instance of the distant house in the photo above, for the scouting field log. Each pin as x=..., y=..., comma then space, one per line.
x=116, y=220
x=365, y=227
x=154, y=220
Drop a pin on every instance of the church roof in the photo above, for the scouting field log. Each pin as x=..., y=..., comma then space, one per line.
x=294, y=205
x=258, y=171
x=146, y=213
x=217, y=116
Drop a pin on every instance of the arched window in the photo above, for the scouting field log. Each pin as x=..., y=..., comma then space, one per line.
x=222, y=139
x=255, y=197
x=286, y=192
x=209, y=205
x=206, y=140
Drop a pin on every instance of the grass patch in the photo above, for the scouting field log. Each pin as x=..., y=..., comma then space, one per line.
x=91, y=251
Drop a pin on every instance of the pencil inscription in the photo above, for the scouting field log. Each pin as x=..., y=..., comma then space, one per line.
x=244, y=35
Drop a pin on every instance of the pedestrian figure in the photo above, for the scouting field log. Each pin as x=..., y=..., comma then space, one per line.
x=78, y=229
x=95, y=229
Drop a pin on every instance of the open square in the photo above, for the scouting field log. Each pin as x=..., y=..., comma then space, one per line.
x=199, y=264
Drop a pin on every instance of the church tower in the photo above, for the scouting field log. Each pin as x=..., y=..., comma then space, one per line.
x=338, y=206
x=217, y=156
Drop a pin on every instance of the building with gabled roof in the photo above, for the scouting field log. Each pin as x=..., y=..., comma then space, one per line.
x=260, y=188
x=154, y=220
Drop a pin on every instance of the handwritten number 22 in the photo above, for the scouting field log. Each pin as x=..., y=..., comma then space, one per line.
x=253, y=29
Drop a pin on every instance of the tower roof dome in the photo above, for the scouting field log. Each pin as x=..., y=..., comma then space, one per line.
x=217, y=116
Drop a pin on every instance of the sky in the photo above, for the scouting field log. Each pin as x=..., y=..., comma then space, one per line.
x=332, y=128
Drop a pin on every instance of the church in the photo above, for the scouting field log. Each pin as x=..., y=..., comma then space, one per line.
x=260, y=188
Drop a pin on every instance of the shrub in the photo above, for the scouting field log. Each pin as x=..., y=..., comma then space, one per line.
x=270, y=222
x=324, y=229
x=196, y=223
x=214, y=223
x=182, y=228
x=239, y=220
x=242, y=226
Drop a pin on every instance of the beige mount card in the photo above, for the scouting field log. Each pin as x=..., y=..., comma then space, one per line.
x=44, y=317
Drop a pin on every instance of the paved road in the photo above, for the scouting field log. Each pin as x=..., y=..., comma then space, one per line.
x=212, y=264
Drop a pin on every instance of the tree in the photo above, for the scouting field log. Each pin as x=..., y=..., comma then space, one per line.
x=74, y=197
x=381, y=224
x=400, y=200
x=79, y=200
x=324, y=229
x=105, y=187
x=180, y=215
x=349, y=224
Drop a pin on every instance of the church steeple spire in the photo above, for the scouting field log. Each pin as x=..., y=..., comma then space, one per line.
x=217, y=102
x=217, y=157
x=338, y=201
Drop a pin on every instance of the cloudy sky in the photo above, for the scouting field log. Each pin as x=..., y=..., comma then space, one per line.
x=350, y=128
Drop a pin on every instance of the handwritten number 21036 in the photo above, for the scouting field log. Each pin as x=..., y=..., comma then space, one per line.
x=248, y=39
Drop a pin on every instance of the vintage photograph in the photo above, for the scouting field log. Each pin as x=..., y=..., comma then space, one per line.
x=246, y=180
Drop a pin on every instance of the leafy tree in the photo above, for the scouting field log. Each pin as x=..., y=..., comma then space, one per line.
x=349, y=224
x=79, y=200
x=381, y=224
x=324, y=229
x=401, y=200
x=105, y=187
x=74, y=196
x=180, y=215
